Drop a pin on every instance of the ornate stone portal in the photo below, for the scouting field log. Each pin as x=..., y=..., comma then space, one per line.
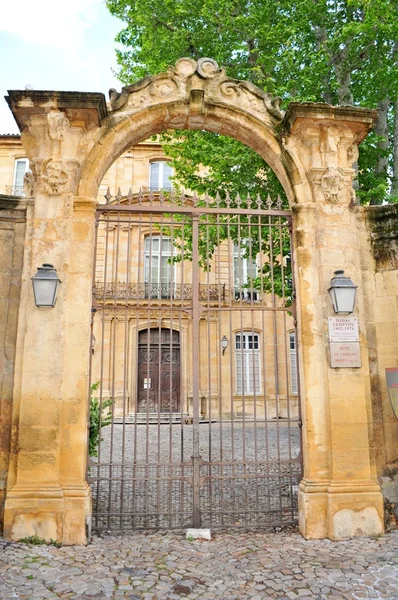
x=71, y=139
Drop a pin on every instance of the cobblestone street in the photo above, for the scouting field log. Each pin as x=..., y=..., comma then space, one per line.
x=233, y=565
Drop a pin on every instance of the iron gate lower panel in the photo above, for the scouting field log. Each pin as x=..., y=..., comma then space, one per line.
x=152, y=495
x=230, y=456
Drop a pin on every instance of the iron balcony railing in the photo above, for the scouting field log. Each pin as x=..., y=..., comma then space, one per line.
x=172, y=291
x=156, y=291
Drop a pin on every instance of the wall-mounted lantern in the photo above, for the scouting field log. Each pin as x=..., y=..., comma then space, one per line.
x=342, y=293
x=45, y=286
x=224, y=344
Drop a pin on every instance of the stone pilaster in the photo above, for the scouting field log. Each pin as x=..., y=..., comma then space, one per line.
x=48, y=494
x=339, y=496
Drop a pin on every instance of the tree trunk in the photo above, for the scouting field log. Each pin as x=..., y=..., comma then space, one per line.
x=394, y=185
x=343, y=76
x=321, y=38
x=381, y=129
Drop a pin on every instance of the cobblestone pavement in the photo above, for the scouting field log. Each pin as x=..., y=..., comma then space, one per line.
x=233, y=565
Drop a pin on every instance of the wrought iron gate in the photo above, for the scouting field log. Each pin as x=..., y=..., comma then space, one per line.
x=194, y=364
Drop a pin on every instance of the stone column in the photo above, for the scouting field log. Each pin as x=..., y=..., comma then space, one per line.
x=48, y=494
x=339, y=496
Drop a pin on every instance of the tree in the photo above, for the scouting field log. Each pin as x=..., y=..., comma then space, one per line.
x=336, y=51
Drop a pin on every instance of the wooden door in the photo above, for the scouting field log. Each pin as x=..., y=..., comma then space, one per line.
x=158, y=371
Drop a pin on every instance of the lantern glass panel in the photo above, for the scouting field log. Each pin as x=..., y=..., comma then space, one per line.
x=332, y=293
x=345, y=299
x=45, y=291
x=224, y=342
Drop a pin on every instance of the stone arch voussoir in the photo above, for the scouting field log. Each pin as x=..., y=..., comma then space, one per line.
x=191, y=95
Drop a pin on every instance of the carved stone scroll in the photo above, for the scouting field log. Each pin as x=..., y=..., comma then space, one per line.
x=188, y=75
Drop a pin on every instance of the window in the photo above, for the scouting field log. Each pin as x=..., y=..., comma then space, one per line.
x=159, y=175
x=158, y=271
x=293, y=363
x=245, y=269
x=20, y=168
x=247, y=355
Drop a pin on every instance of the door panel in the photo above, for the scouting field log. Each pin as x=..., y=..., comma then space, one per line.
x=158, y=380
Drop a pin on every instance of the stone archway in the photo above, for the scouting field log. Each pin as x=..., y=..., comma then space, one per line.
x=190, y=95
x=71, y=139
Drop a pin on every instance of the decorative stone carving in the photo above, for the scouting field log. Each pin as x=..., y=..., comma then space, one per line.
x=58, y=123
x=353, y=197
x=332, y=184
x=188, y=75
x=28, y=184
x=352, y=154
x=207, y=67
x=185, y=67
x=54, y=176
x=162, y=90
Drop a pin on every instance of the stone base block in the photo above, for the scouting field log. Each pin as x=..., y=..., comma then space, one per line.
x=340, y=511
x=313, y=510
x=53, y=513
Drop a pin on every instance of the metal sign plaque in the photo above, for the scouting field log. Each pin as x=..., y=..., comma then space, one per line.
x=392, y=386
x=343, y=329
x=345, y=354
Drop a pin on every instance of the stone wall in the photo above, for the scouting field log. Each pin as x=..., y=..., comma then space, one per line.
x=379, y=255
x=12, y=234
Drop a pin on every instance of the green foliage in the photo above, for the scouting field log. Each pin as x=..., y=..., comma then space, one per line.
x=99, y=417
x=336, y=51
x=208, y=162
x=35, y=540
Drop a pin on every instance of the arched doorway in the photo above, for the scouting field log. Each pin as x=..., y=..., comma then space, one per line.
x=71, y=139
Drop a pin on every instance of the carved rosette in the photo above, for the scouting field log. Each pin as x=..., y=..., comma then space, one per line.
x=188, y=75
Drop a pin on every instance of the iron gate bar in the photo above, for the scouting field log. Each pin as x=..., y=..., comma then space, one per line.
x=223, y=491
x=189, y=210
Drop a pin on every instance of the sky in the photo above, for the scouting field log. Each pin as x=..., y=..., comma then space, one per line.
x=54, y=45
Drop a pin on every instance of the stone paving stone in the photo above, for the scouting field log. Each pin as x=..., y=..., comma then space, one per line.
x=233, y=566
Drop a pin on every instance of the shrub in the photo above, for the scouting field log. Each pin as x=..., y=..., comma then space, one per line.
x=99, y=417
